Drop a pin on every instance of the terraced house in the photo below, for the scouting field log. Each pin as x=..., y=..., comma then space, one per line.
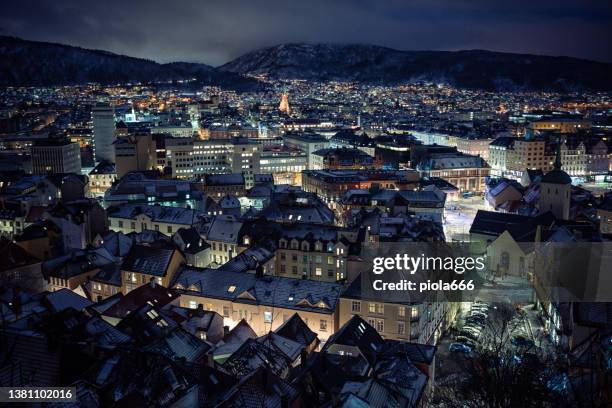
x=156, y=263
x=137, y=218
x=264, y=302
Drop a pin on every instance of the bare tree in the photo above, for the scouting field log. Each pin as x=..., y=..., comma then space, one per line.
x=500, y=374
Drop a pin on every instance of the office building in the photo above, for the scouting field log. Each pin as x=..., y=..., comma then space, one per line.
x=56, y=155
x=103, y=119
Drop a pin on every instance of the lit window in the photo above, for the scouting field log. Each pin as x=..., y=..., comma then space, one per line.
x=152, y=314
x=267, y=317
x=323, y=325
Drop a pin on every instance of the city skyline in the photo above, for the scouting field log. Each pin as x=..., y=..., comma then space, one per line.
x=307, y=225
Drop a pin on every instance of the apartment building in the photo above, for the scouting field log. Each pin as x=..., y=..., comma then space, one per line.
x=264, y=302
x=128, y=218
x=414, y=322
x=101, y=178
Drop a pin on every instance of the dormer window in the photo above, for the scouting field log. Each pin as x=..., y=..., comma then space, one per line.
x=247, y=241
x=231, y=289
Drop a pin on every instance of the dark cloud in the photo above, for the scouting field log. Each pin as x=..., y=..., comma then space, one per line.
x=214, y=31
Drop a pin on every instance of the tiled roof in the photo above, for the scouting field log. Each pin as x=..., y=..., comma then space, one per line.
x=224, y=228
x=274, y=291
x=148, y=260
x=157, y=213
x=494, y=223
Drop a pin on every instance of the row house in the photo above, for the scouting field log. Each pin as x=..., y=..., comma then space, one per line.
x=264, y=302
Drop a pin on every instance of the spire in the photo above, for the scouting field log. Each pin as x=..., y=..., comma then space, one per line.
x=284, y=103
x=558, y=158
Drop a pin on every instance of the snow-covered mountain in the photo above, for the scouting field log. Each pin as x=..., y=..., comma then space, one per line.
x=374, y=64
x=33, y=63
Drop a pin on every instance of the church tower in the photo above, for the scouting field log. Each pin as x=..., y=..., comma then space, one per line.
x=555, y=190
x=284, y=104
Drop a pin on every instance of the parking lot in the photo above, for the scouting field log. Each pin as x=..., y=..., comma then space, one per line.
x=478, y=327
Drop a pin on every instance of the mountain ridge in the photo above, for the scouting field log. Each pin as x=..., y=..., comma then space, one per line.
x=466, y=68
x=34, y=63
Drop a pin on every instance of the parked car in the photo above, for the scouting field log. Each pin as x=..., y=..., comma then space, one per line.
x=480, y=307
x=459, y=348
x=477, y=313
x=466, y=340
x=475, y=321
x=469, y=334
x=521, y=341
x=473, y=327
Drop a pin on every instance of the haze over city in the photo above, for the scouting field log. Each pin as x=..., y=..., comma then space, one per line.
x=214, y=32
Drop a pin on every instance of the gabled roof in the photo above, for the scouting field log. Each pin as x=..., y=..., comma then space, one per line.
x=109, y=274
x=357, y=333
x=148, y=260
x=494, y=223
x=275, y=291
x=252, y=355
x=151, y=293
x=248, y=260
x=295, y=329
x=261, y=388
x=157, y=213
x=64, y=299
x=224, y=228
x=117, y=243
x=229, y=201
x=12, y=256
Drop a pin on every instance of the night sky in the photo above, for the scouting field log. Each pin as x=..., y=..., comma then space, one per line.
x=215, y=31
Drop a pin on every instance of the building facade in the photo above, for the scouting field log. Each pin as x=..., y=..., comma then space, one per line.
x=103, y=120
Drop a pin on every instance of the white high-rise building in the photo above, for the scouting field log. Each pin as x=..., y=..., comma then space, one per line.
x=103, y=118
